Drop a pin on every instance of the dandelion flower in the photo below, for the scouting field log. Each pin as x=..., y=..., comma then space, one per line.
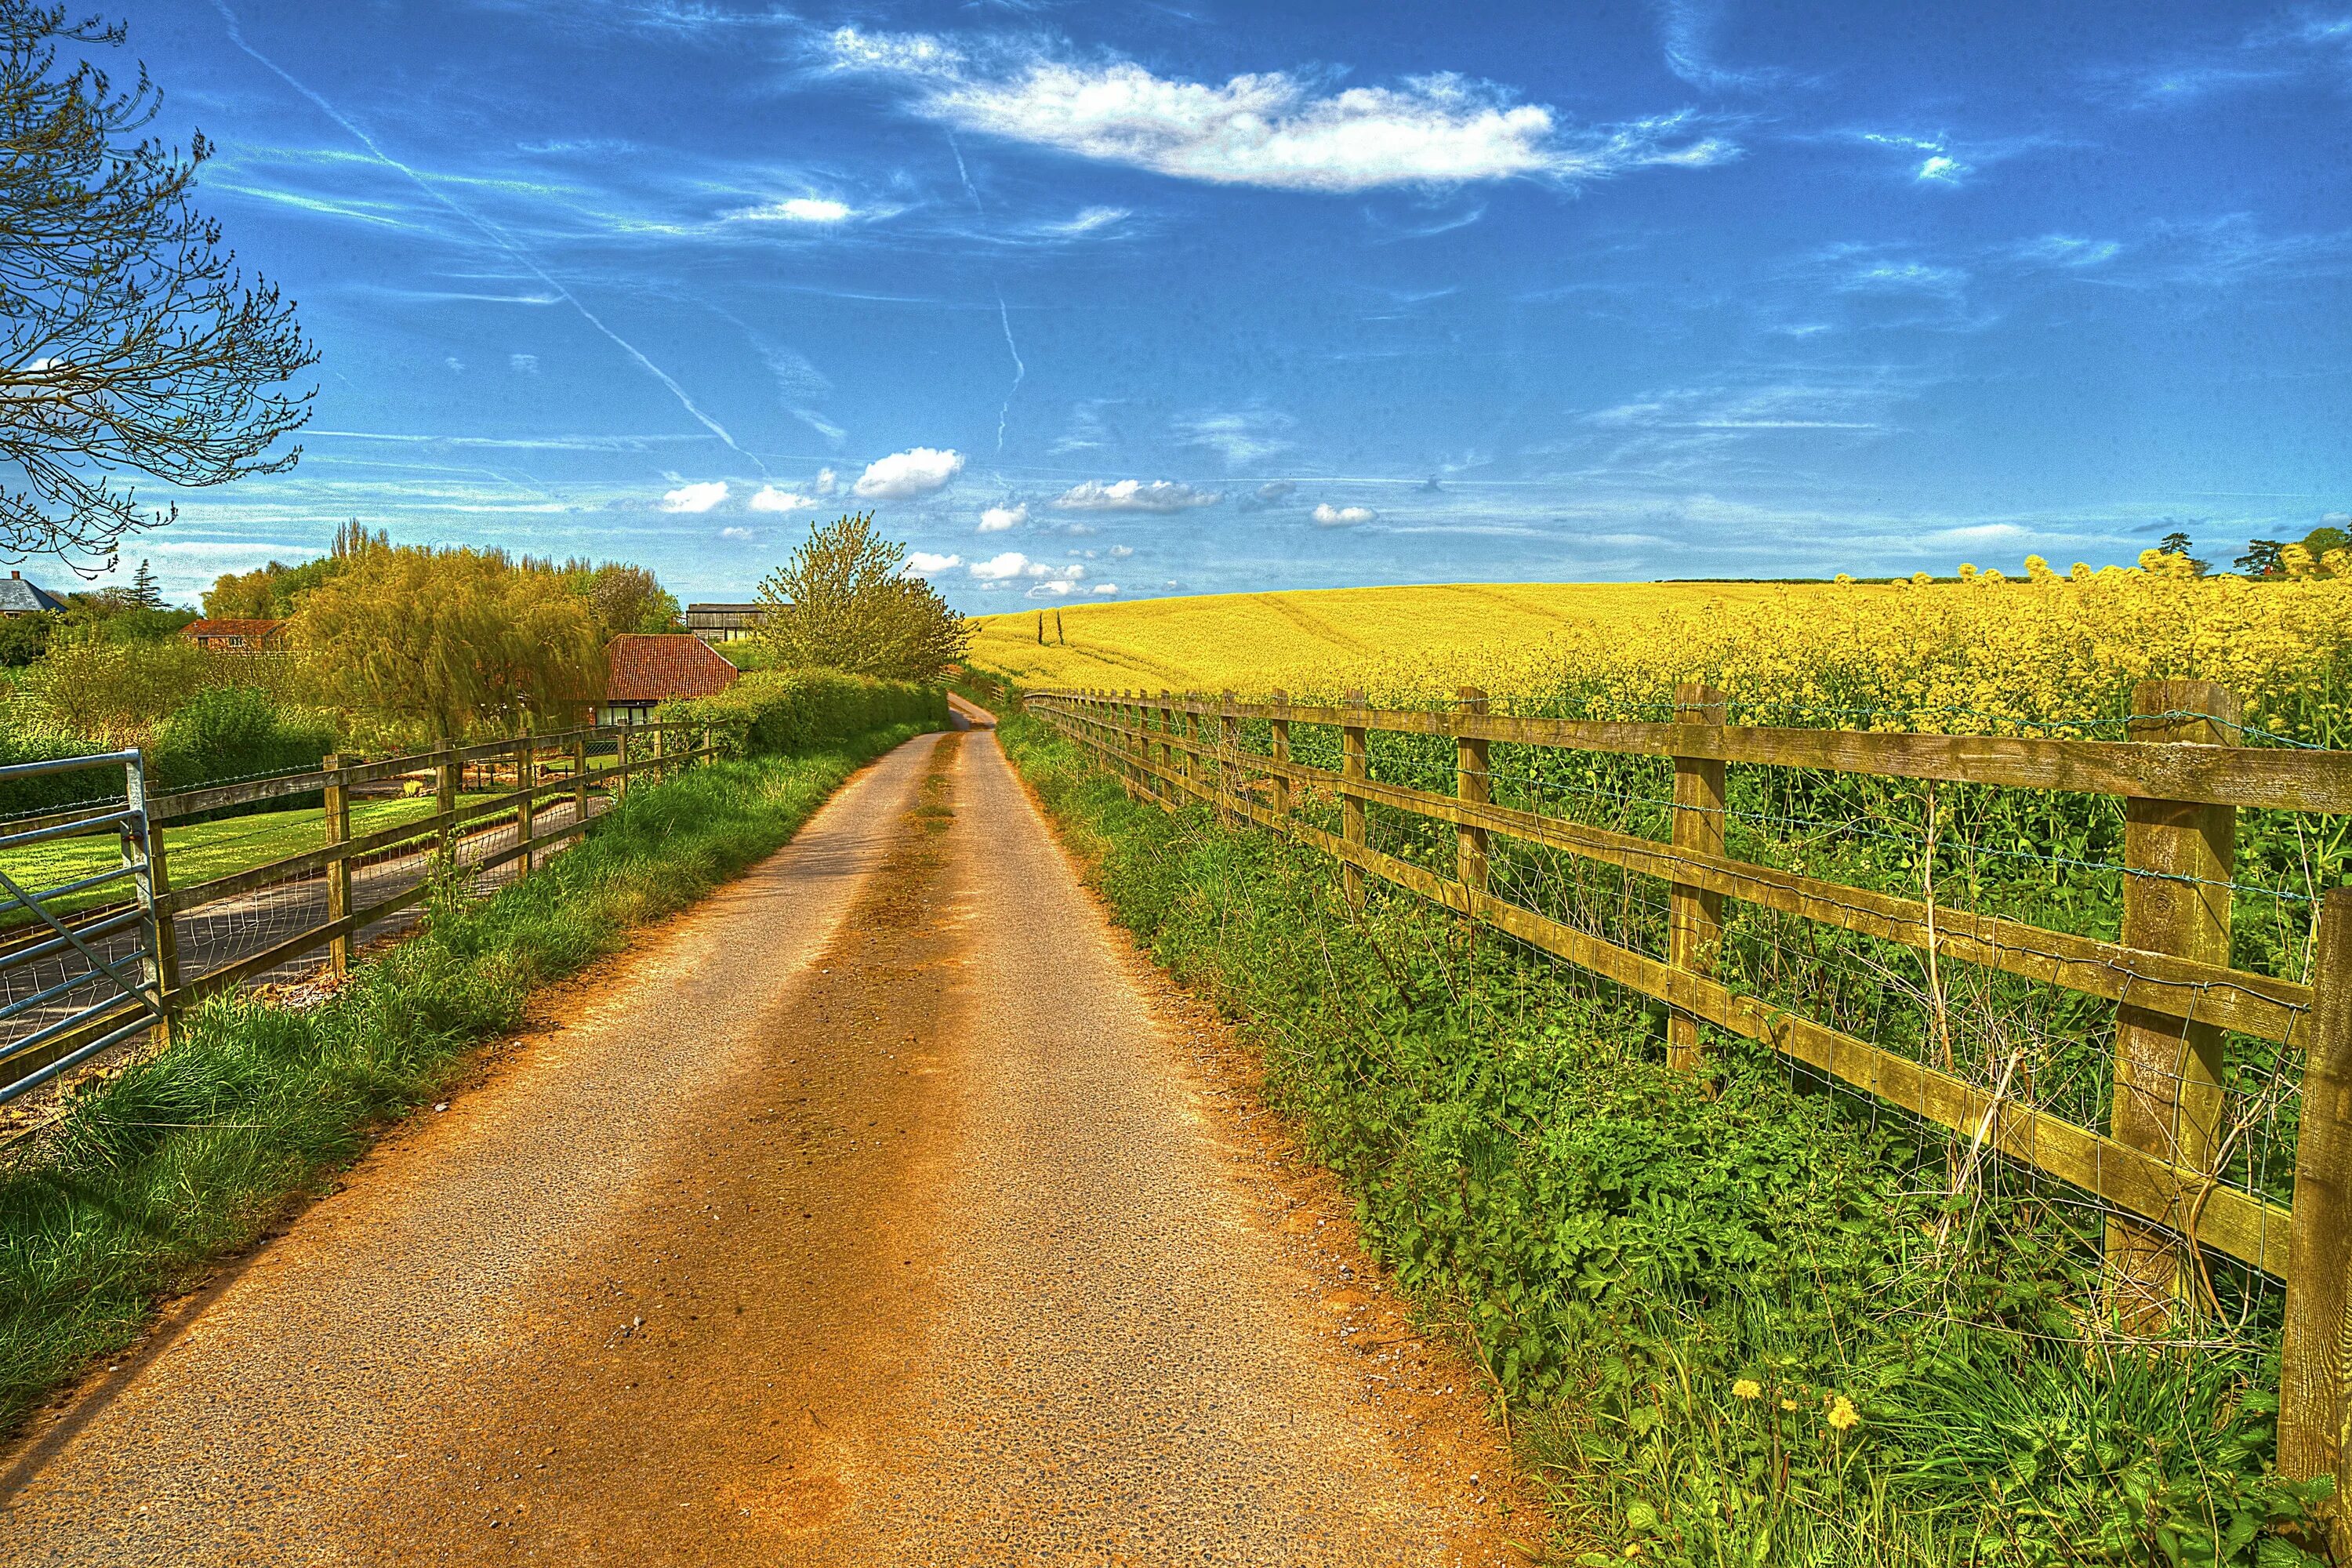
x=1788, y=1405
x=1747, y=1388
x=1843, y=1415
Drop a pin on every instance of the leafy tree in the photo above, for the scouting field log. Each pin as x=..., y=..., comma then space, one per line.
x=268, y=593
x=448, y=639
x=2177, y=543
x=2324, y=538
x=131, y=341
x=844, y=601
x=24, y=638
x=625, y=598
x=2262, y=558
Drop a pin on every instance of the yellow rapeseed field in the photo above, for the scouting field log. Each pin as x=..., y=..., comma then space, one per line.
x=1990, y=653
x=1251, y=642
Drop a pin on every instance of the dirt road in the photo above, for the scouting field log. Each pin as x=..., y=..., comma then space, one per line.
x=882, y=1210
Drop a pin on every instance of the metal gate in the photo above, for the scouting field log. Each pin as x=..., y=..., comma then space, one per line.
x=79, y=970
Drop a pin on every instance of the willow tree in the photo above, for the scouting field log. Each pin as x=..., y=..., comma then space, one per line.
x=844, y=601
x=130, y=342
x=451, y=640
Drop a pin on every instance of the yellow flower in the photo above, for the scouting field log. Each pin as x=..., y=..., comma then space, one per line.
x=1747, y=1388
x=1788, y=1405
x=1843, y=1415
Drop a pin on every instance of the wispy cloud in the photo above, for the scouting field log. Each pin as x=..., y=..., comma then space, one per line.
x=1245, y=436
x=1687, y=29
x=1273, y=128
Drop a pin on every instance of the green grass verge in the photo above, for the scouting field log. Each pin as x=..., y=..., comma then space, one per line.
x=188, y=1156
x=1740, y=1329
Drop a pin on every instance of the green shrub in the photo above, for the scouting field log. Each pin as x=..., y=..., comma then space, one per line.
x=772, y=712
x=226, y=732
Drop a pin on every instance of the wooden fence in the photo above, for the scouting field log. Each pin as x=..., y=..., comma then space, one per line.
x=2152, y=1169
x=554, y=766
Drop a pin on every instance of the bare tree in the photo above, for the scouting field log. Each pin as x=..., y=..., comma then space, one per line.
x=128, y=338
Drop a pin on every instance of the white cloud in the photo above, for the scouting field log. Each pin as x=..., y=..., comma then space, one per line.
x=743, y=533
x=770, y=498
x=918, y=471
x=827, y=482
x=1090, y=220
x=1013, y=566
x=1326, y=515
x=923, y=563
x=1105, y=588
x=1942, y=170
x=997, y=519
x=695, y=498
x=1271, y=127
x=1134, y=495
x=1121, y=551
x=797, y=209
x=1982, y=533
x=997, y=568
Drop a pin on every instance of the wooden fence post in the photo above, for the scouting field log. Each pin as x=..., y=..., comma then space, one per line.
x=339, y=869
x=445, y=801
x=2178, y=861
x=1473, y=785
x=2314, y=1434
x=1230, y=784
x=1695, y=916
x=579, y=780
x=526, y=807
x=1354, y=767
x=1139, y=748
x=1168, y=753
x=152, y=884
x=661, y=753
x=1281, y=754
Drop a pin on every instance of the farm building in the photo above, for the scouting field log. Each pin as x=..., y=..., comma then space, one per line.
x=236, y=635
x=641, y=672
x=18, y=597
x=715, y=623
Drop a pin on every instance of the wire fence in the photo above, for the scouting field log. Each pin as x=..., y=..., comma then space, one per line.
x=105, y=942
x=2082, y=975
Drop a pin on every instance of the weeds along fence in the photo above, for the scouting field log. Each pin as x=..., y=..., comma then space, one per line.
x=101, y=942
x=2109, y=979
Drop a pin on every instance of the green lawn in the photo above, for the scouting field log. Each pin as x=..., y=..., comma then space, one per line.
x=199, y=851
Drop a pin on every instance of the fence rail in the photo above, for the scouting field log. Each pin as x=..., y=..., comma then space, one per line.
x=2154, y=1169
x=82, y=976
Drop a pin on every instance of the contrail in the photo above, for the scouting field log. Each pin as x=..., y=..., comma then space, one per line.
x=1019, y=370
x=969, y=189
x=495, y=236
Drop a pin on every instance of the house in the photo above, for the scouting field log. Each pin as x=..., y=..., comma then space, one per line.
x=236, y=635
x=643, y=671
x=18, y=597
x=725, y=622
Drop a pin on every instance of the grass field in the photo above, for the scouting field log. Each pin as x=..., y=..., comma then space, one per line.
x=1251, y=641
x=198, y=851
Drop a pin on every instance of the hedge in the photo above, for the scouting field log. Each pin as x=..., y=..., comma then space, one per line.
x=772, y=712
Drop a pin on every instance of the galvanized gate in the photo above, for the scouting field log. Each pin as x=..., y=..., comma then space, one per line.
x=78, y=968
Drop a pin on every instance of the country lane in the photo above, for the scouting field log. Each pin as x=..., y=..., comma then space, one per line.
x=874, y=1212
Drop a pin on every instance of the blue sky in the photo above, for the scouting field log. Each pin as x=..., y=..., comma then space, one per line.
x=1098, y=300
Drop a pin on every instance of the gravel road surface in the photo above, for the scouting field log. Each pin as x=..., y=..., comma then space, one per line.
x=884, y=1209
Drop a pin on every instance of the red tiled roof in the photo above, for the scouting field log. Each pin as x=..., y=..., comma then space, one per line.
x=640, y=669
x=231, y=629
